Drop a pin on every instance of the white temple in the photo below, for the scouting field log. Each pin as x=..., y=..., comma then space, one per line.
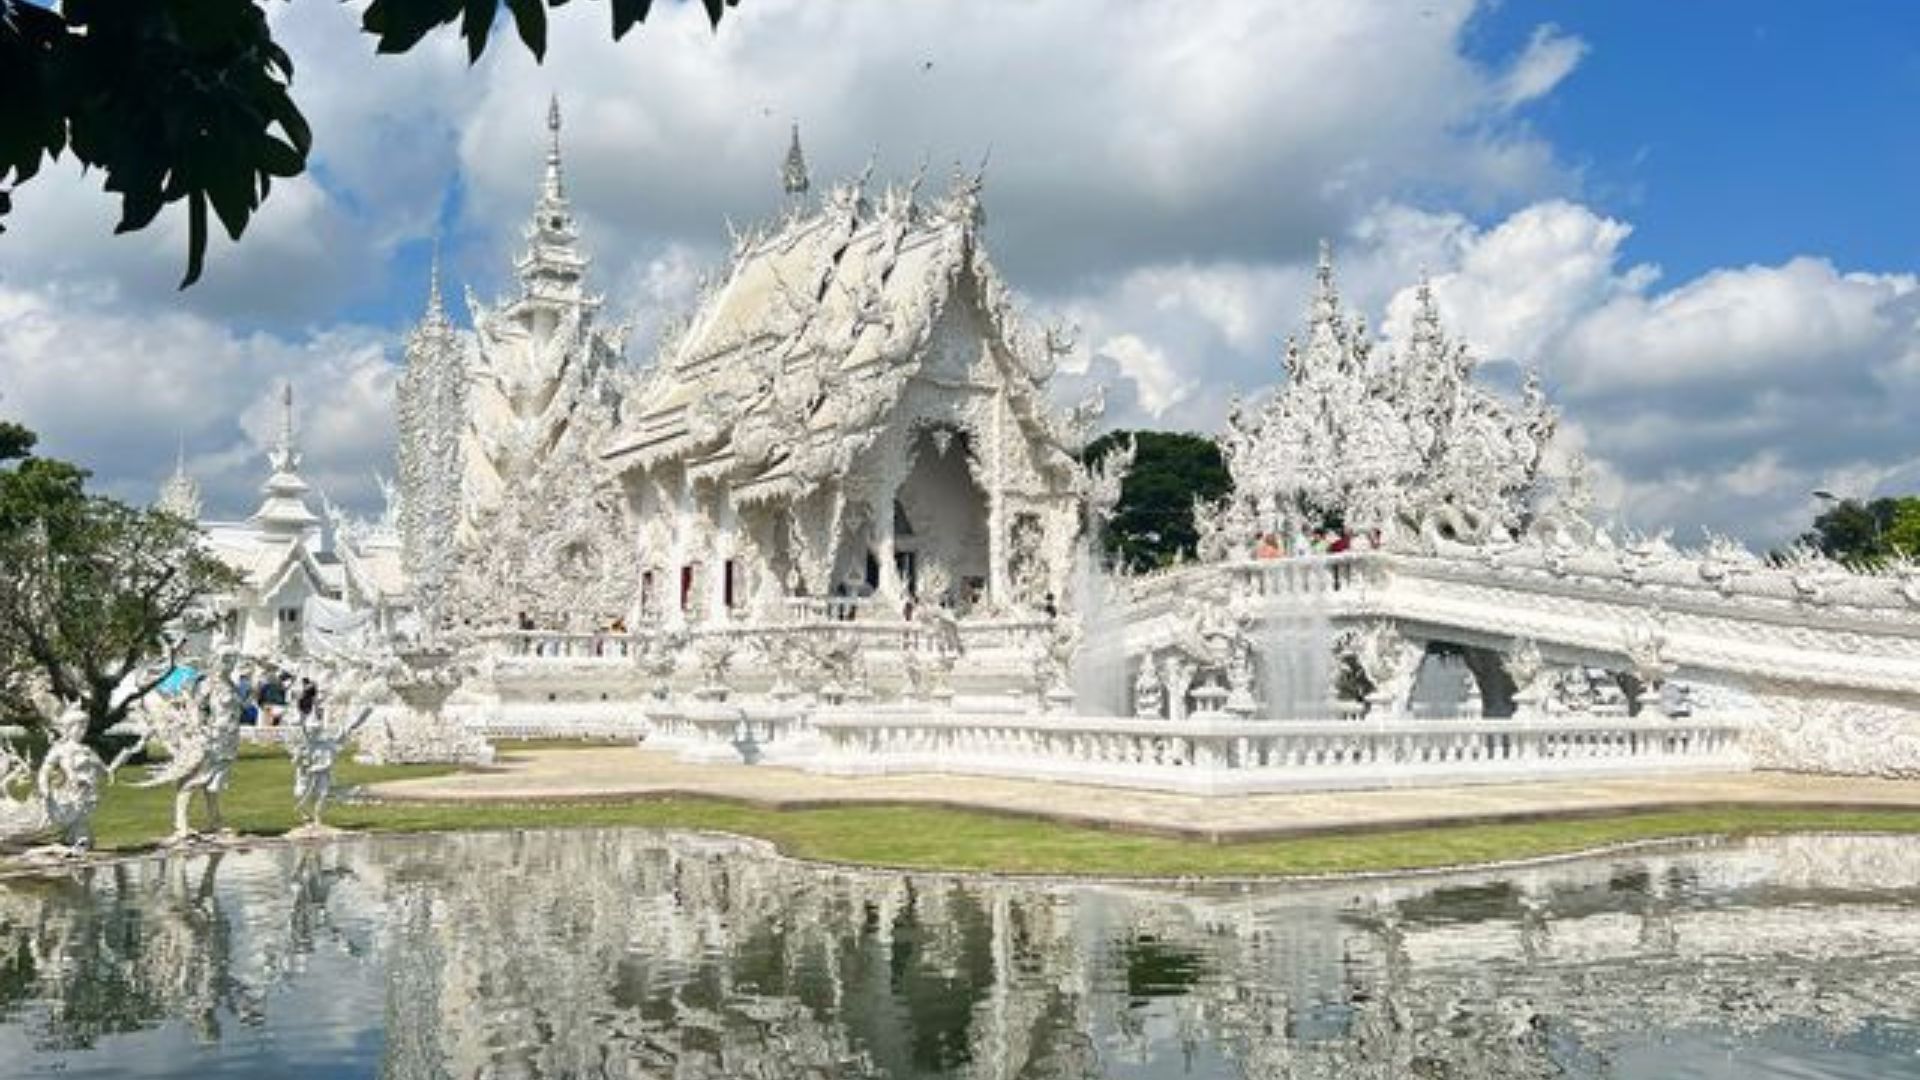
x=837, y=522
x=289, y=565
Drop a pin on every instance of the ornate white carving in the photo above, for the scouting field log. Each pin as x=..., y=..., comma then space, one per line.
x=1388, y=659
x=65, y=790
x=1408, y=446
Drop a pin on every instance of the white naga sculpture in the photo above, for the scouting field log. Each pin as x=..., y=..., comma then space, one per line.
x=200, y=727
x=65, y=789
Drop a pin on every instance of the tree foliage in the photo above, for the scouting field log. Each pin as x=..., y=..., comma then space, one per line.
x=1153, y=525
x=189, y=101
x=1852, y=530
x=88, y=585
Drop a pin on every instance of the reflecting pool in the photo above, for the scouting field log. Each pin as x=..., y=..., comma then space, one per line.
x=633, y=954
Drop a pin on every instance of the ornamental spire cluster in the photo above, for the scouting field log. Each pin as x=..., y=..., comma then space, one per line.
x=1404, y=443
x=180, y=493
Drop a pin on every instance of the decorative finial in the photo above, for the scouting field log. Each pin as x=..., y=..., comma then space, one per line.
x=793, y=172
x=285, y=457
x=1326, y=299
x=1426, y=319
x=436, y=310
x=553, y=188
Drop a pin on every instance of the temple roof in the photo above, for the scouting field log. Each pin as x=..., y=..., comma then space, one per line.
x=283, y=508
x=812, y=332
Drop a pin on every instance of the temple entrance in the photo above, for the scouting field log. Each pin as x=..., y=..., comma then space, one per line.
x=942, y=553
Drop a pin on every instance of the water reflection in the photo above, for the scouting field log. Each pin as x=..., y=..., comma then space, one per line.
x=610, y=954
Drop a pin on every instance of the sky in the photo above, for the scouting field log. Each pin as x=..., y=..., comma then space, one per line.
x=1698, y=220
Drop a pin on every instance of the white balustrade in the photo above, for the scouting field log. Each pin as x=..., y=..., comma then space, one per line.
x=1224, y=756
x=610, y=645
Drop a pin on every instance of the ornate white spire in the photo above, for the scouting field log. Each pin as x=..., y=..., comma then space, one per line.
x=793, y=171
x=553, y=188
x=436, y=308
x=284, y=510
x=286, y=454
x=1326, y=297
x=552, y=267
x=180, y=493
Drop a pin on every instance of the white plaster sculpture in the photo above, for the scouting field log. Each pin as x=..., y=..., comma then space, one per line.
x=315, y=748
x=1646, y=648
x=1389, y=660
x=1149, y=697
x=421, y=731
x=200, y=727
x=1531, y=680
x=65, y=789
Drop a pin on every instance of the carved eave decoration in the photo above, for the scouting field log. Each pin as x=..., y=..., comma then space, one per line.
x=792, y=362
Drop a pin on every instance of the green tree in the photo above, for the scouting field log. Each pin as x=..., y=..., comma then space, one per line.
x=1852, y=530
x=1153, y=523
x=189, y=100
x=1902, y=535
x=88, y=584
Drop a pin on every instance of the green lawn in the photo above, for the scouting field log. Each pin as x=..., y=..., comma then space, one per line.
x=260, y=802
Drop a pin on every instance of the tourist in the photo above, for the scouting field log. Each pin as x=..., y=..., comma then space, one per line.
x=243, y=692
x=273, y=700
x=1268, y=547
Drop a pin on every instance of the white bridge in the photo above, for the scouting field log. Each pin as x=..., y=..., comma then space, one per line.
x=1608, y=662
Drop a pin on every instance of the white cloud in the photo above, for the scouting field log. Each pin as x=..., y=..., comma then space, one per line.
x=1158, y=177
x=1549, y=57
x=1720, y=401
x=1158, y=383
x=118, y=392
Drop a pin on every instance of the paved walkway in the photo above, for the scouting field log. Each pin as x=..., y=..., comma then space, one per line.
x=604, y=773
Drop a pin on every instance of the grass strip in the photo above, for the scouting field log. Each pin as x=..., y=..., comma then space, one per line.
x=260, y=802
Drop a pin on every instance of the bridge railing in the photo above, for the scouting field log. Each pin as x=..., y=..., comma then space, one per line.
x=611, y=645
x=1220, y=756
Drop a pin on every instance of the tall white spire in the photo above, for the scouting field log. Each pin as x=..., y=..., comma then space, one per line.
x=553, y=188
x=552, y=267
x=286, y=453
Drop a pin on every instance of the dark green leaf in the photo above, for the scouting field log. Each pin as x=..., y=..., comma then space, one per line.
x=279, y=159
x=478, y=24
x=196, y=238
x=628, y=12
x=530, y=19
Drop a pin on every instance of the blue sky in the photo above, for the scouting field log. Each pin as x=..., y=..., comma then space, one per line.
x=1698, y=219
x=1738, y=131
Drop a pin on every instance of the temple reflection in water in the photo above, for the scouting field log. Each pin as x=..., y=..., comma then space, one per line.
x=620, y=954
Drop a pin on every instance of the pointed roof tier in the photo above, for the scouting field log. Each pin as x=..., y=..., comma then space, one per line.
x=793, y=359
x=553, y=265
x=793, y=171
x=283, y=510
